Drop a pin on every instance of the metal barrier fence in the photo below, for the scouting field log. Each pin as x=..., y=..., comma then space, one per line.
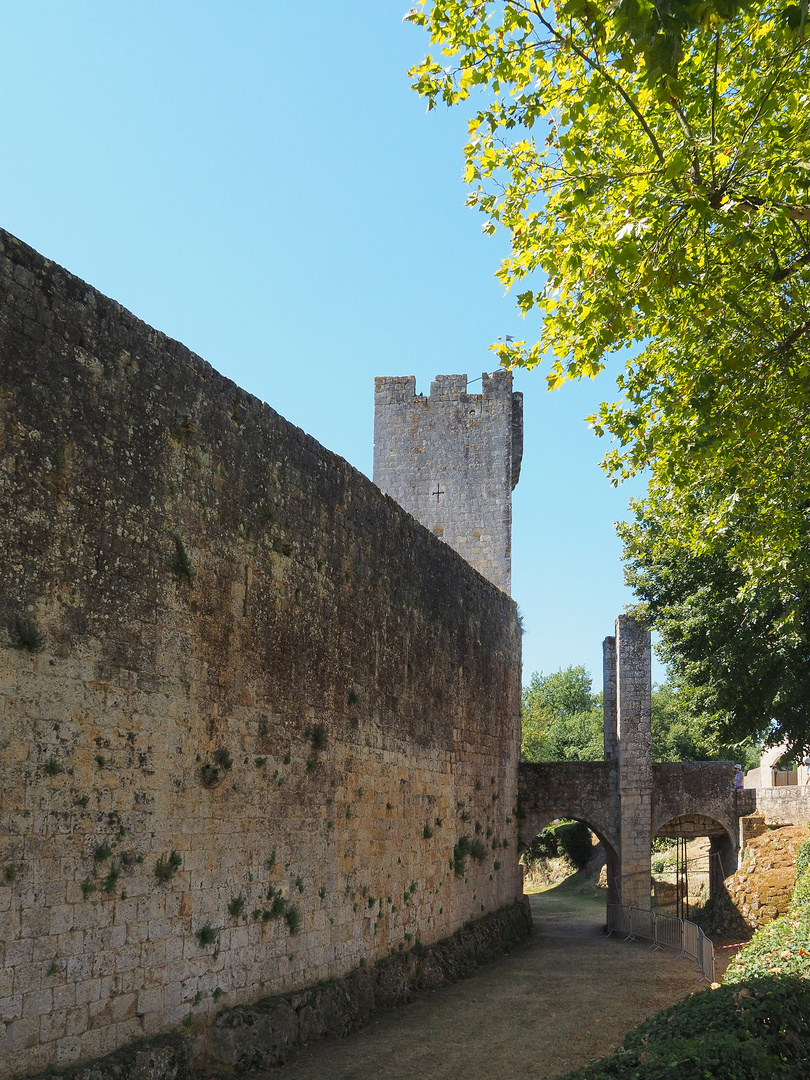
x=664, y=930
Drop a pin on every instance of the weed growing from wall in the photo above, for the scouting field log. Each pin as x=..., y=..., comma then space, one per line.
x=461, y=849
x=212, y=774
x=223, y=759
x=477, y=850
x=166, y=868
x=236, y=906
x=26, y=635
x=317, y=737
x=292, y=917
x=180, y=562
x=101, y=852
x=206, y=935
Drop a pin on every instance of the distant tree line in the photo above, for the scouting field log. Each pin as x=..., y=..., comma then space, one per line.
x=563, y=721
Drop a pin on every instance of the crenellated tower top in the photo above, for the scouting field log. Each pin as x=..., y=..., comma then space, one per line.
x=452, y=460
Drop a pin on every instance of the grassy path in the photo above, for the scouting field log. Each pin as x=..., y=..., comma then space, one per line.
x=565, y=997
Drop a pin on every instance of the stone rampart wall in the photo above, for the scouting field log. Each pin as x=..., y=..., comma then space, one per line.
x=784, y=805
x=248, y=706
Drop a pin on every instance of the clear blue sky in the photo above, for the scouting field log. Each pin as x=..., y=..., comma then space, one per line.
x=258, y=180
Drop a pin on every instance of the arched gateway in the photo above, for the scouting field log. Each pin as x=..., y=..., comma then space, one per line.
x=625, y=799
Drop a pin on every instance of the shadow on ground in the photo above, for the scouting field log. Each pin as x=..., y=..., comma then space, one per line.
x=566, y=997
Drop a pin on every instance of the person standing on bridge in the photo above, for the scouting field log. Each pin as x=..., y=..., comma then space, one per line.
x=739, y=778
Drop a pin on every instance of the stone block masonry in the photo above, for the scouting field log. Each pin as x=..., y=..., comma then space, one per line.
x=452, y=460
x=634, y=746
x=249, y=707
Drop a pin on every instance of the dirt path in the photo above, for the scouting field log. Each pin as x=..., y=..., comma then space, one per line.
x=565, y=997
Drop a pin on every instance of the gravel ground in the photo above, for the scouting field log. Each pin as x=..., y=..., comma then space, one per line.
x=567, y=996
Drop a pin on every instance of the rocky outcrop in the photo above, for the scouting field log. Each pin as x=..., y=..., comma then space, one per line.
x=760, y=890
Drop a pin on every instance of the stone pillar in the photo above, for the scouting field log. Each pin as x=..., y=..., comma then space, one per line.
x=633, y=692
x=609, y=698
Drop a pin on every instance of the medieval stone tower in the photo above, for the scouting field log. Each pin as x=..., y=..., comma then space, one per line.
x=452, y=460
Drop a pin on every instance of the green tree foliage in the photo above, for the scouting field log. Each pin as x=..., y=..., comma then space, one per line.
x=683, y=731
x=562, y=718
x=570, y=839
x=563, y=721
x=650, y=165
x=740, y=655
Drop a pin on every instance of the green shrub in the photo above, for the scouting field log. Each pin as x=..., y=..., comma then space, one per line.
x=570, y=839
x=756, y=1031
x=802, y=859
x=800, y=900
x=543, y=846
x=574, y=841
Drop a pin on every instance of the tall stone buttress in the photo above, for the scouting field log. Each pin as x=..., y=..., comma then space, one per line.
x=628, y=748
x=452, y=460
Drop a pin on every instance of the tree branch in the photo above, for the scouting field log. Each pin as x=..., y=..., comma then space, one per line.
x=714, y=104
x=793, y=337
x=594, y=66
x=690, y=136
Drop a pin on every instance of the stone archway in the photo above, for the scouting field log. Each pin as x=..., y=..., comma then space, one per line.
x=626, y=799
x=535, y=823
x=722, y=846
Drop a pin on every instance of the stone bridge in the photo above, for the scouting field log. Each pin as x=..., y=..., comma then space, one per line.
x=627, y=800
